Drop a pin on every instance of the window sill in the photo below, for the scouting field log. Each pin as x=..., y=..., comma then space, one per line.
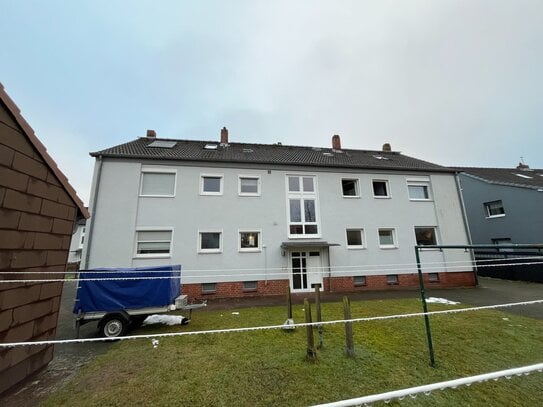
x=209, y=251
x=152, y=256
x=382, y=197
x=157, y=196
x=250, y=290
x=420, y=200
x=304, y=236
x=249, y=250
x=247, y=194
x=356, y=247
x=210, y=193
x=209, y=292
x=351, y=196
x=496, y=216
x=388, y=247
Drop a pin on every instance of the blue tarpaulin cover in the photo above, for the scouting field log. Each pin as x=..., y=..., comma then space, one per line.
x=116, y=295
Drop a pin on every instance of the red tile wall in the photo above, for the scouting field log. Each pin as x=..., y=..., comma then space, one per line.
x=36, y=222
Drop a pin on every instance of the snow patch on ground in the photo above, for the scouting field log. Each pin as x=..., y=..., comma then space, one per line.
x=437, y=300
x=164, y=319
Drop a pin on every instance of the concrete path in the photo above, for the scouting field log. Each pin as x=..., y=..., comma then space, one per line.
x=70, y=358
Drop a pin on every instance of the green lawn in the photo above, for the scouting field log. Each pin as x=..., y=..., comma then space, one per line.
x=269, y=368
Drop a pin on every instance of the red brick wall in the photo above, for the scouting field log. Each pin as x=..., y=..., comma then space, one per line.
x=36, y=222
x=332, y=284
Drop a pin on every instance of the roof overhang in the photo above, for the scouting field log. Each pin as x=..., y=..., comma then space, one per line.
x=306, y=245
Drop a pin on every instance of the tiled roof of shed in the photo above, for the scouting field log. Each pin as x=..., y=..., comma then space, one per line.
x=191, y=150
x=525, y=178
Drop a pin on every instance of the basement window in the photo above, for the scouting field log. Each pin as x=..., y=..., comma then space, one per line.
x=433, y=277
x=250, y=286
x=392, y=279
x=209, y=288
x=359, y=281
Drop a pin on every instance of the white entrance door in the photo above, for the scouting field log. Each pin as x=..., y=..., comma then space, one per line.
x=306, y=270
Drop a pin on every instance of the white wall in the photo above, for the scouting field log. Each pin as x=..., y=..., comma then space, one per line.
x=120, y=211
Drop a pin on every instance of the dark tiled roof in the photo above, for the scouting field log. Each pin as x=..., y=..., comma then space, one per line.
x=42, y=151
x=191, y=150
x=507, y=176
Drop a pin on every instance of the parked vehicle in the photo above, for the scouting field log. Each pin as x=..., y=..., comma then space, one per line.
x=121, y=298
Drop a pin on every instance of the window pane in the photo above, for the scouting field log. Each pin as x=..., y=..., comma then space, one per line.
x=309, y=210
x=495, y=208
x=359, y=280
x=295, y=210
x=380, y=188
x=392, y=279
x=296, y=230
x=153, y=247
x=209, y=287
x=293, y=184
x=418, y=191
x=349, y=187
x=311, y=229
x=249, y=185
x=308, y=184
x=425, y=236
x=157, y=184
x=386, y=237
x=250, y=285
x=354, y=237
x=210, y=240
x=249, y=240
x=212, y=184
x=157, y=242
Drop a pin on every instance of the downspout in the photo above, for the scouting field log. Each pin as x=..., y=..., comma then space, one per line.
x=99, y=161
x=466, y=223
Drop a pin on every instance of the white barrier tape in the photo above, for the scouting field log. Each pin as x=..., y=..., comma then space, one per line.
x=269, y=275
x=428, y=388
x=361, y=267
x=269, y=327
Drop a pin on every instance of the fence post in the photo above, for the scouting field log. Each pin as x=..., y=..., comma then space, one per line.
x=311, y=352
x=349, y=342
x=425, y=309
x=288, y=325
x=319, y=315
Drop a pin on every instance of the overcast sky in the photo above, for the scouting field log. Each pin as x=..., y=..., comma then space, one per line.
x=451, y=82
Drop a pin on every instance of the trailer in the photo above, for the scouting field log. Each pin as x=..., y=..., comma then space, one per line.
x=121, y=298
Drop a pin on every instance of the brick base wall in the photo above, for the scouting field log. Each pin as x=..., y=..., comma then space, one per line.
x=332, y=284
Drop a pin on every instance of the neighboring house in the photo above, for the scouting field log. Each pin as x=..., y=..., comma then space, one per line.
x=503, y=205
x=252, y=219
x=76, y=244
x=38, y=208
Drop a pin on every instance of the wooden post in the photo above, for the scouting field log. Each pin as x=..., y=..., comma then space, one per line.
x=349, y=342
x=311, y=352
x=289, y=323
x=319, y=315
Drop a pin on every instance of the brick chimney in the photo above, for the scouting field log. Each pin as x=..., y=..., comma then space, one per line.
x=336, y=142
x=387, y=147
x=151, y=133
x=224, y=135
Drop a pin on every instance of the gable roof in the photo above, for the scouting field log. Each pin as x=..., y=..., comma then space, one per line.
x=278, y=154
x=42, y=151
x=523, y=178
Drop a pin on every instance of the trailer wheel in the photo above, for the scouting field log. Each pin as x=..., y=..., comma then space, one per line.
x=113, y=325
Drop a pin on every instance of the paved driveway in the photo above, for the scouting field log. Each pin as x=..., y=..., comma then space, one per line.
x=70, y=358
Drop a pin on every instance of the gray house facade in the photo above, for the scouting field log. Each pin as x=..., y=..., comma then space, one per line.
x=251, y=219
x=503, y=205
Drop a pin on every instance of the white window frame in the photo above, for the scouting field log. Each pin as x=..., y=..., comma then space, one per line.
x=426, y=227
x=157, y=170
x=153, y=229
x=250, y=249
x=487, y=209
x=206, y=251
x=388, y=195
x=82, y=236
x=419, y=183
x=212, y=193
x=357, y=187
x=240, y=177
x=302, y=196
x=362, y=236
x=394, y=239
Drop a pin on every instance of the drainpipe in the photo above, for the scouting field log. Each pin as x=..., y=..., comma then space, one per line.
x=99, y=162
x=466, y=223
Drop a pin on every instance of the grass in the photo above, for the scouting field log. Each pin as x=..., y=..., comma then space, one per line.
x=266, y=368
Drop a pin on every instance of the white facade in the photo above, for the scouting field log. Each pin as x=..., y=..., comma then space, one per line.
x=76, y=244
x=180, y=214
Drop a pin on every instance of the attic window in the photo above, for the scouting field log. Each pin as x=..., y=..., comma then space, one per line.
x=316, y=148
x=328, y=154
x=162, y=144
x=247, y=150
x=523, y=176
x=380, y=157
x=211, y=146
